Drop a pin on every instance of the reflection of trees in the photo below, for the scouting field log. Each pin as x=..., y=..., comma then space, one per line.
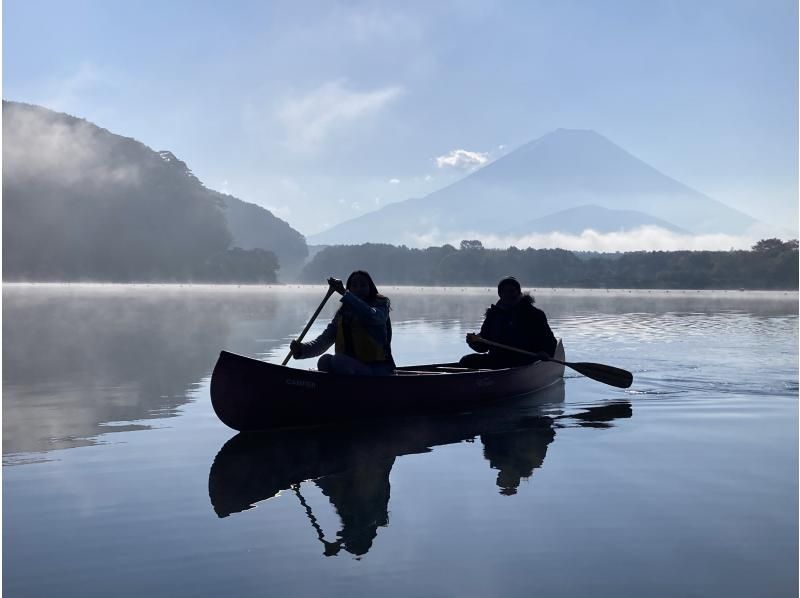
x=351, y=464
x=76, y=358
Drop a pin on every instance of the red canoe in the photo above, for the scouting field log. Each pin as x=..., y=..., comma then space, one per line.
x=248, y=394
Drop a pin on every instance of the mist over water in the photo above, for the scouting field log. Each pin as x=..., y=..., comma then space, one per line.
x=118, y=477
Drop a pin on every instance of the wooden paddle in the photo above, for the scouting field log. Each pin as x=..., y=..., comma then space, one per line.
x=596, y=371
x=310, y=322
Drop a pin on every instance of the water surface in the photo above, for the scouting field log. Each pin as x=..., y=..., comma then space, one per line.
x=118, y=478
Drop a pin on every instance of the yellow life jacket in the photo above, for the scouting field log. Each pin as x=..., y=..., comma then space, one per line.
x=353, y=339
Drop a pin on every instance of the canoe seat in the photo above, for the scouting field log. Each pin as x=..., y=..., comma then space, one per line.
x=447, y=368
x=438, y=370
x=417, y=372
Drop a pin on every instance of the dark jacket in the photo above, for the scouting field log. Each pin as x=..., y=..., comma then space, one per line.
x=523, y=326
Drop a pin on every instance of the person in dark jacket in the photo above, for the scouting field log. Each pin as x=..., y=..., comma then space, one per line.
x=512, y=321
x=361, y=331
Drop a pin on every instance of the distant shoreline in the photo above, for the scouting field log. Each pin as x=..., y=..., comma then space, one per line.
x=452, y=289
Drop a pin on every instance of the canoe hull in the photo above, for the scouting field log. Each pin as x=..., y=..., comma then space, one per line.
x=248, y=394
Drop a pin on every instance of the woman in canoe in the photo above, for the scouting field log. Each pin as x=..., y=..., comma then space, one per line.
x=512, y=321
x=361, y=331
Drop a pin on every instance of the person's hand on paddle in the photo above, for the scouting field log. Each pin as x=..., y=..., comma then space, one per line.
x=337, y=285
x=473, y=342
x=296, y=347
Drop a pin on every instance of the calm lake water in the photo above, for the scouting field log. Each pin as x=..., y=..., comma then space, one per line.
x=119, y=480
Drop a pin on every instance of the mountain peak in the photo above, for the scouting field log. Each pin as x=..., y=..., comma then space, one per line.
x=572, y=139
x=562, y=135
x=564, y=132
x=566, y=168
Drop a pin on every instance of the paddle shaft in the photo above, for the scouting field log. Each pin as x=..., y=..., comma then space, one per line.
x=310, y=322
x=596, y=371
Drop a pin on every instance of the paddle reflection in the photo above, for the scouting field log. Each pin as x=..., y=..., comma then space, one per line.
x=351, y=464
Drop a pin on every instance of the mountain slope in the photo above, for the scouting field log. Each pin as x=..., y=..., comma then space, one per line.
x=563, y=169
x=80, y=202
x=253, y=227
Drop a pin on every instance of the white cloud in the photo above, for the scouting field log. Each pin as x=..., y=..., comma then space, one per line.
x=646, y=238
x=280, y=211
x=290, y=185
x=394, y=181
x=355, y=205
x=312, y=118
x=428, y=239
x=68, y=94
x=460, y=158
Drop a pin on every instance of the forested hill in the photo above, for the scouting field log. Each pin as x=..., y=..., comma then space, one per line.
x=770, y=264
x=81, y=203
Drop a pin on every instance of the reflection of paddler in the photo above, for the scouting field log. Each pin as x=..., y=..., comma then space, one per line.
x=351, y=467
x=516, y=454
x=361, y=498
x=351, y=464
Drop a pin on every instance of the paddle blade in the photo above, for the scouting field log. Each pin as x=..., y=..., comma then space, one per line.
x=604, y=373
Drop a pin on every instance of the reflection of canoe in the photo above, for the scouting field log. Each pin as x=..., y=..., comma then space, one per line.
x=351, y=463
x=248, y=394
x=254, y=466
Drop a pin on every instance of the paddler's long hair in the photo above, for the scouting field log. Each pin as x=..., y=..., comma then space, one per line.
x=374, y=295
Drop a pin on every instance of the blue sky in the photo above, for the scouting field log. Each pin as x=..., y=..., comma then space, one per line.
x=323, y=110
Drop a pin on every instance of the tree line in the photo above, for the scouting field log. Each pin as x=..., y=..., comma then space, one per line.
x=769, y=264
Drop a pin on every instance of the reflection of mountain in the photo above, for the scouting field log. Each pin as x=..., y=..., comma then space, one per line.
x=77, y=360
x=351, y=464
x=563, y=169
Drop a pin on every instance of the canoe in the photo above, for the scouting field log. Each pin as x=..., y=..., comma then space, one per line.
x=248, y=394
